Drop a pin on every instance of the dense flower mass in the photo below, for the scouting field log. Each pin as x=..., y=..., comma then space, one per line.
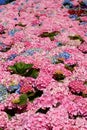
x=43, y=65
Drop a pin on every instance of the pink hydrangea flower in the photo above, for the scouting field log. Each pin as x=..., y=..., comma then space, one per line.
x=3, y=119
x=1, y=29
x=26, y=85
x=76, y=86
x=83, y=47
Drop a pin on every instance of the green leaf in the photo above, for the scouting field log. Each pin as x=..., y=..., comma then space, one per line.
x=24, y=70
x=20, y=68
x=50, y=35
x=51, y=38
x=33, y=95
x=44, y=34
x=23, y=99
x=10, y=112
x=43, y=110
x=20, y=24
x=16, y=101
x=85, y=83
x=70, y=67
x=84, y=95
x=77, y=116
x=56, y=105
x=9, y=116
x=58, y=76
x=59, y=60
x=33, y=72
x=12, y=69
x=6, y=49
x=76, y=37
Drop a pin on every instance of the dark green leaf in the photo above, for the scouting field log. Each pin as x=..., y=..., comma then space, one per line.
x=33, y=95
x=24, y=69
x=58, y=76
x=51, y=38
x=84, y=95
x=11, y=112
x=76, y=37
x=22, y=65
x=20, y=68
x=20, y=24
x=79, y=94
x=16, y=110
x=5, y=49
x=9, y=116
x=70, y=67
x=85, y=83
x=12, y=69
x=33, y=73
x=43, y=110
x=44, y=34
x=50, y=35
x=59, y=61
x=78, y=115
x=56, y=105
x=23, y=99
x=39, y=93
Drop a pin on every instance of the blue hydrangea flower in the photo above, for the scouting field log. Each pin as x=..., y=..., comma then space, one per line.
x=12, y=32
x=31, y=51
x=18, y=91
x=54, y=60
x=14, y=88
x=83, y=23
x=1, y=43
x=64, y=55
x=85, y=34
x=1, y=10
x=12, y=56
x=15, y=19
x=67, y=4
x=2, y=2
x=3, y=93
x=85, y=2
x=73, y=16
x=28, y=52
x=58, y=43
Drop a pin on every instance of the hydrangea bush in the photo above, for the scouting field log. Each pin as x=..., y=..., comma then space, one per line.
x=43, y=65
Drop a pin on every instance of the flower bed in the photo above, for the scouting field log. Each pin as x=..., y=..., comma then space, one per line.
x=43, y=65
